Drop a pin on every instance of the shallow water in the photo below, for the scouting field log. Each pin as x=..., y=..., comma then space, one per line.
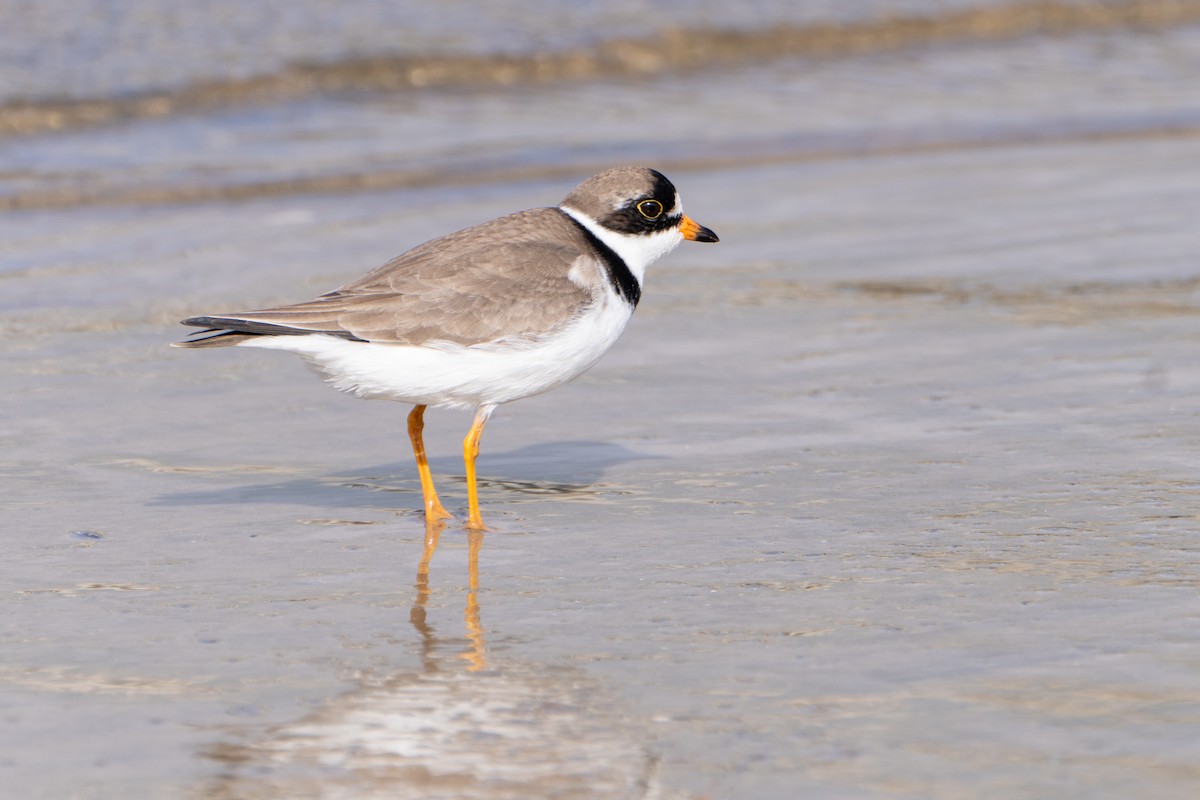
x=97, y=50
x=892, y=493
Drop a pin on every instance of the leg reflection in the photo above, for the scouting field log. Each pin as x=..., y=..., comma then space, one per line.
x=447, y=728
x=417, y=615
x=475, y=653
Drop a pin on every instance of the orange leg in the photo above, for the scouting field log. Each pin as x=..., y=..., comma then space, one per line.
x=470, y=453
x=433, y=507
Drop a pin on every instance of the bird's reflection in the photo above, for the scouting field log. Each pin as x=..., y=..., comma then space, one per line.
x=474, y=725
x=476, y=653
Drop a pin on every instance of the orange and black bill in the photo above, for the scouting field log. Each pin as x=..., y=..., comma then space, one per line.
x=696, y=232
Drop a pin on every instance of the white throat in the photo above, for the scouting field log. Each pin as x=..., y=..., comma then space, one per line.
x=638, y=251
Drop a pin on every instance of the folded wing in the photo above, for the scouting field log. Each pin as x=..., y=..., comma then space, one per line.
x=508, y=278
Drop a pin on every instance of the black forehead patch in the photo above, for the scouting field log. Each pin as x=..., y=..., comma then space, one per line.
x=626, y=219
x=663, y=191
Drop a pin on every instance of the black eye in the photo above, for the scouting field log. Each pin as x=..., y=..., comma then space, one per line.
x=650, y=209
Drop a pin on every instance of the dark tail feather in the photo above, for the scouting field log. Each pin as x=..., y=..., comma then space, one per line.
x=234, y=330
x=218, y=339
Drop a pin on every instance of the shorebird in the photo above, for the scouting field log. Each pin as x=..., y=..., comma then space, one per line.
x=503, y=310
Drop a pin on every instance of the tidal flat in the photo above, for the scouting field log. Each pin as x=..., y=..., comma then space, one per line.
x=892, y=493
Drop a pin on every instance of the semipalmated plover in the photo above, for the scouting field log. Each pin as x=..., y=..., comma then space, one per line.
x=500, y=311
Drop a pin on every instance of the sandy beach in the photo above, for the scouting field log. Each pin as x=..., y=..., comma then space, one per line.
x=892, y=493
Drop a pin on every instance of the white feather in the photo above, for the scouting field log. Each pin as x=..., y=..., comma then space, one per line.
x=457, y=376
x=637, y=251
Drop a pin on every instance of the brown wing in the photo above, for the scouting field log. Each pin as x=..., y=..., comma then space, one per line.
x=505, y=278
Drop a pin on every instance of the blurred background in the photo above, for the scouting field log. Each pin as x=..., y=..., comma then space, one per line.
x=151, y=101
x=892, y=493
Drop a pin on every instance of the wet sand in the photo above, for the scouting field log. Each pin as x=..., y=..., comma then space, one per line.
x=856, y=508
x=892, y=493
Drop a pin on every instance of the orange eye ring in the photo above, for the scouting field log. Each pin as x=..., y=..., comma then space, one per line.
x=650, y=209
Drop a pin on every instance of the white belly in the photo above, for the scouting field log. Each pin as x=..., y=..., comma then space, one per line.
x=453, y=375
